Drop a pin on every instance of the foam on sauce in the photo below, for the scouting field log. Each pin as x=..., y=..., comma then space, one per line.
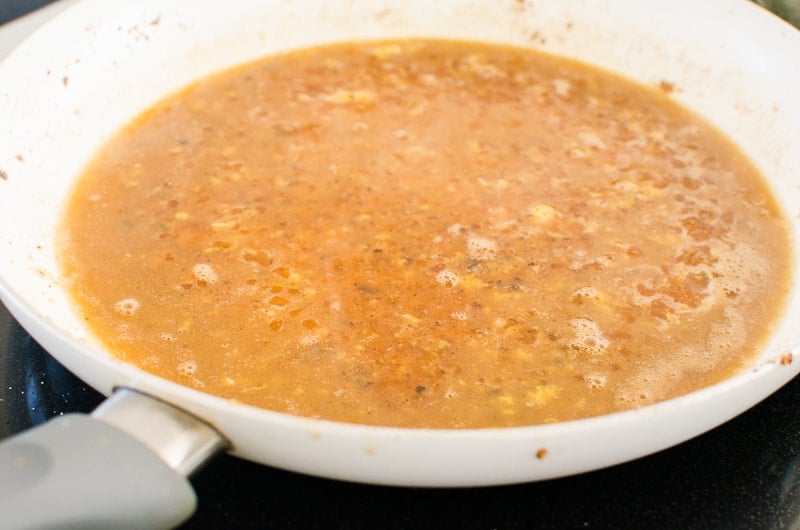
x=427, y=234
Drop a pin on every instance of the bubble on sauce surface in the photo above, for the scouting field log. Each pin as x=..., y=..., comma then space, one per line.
x=481, y=248
x=585, y=293
x=459, y=315
x=204, y=272
x=596, y=381
x=591, y=139
x=562, y=87
x=151, y=360
x=454, y=229
x=477, y=64
x=588, y=336
x=739, y=267
x=447, y=278
x=541, y=212
x=187, y=367
x=657, y=379
x=127, y=306
x=168, y=337
x=730, y=334
x=632, y=398
x=309, y=340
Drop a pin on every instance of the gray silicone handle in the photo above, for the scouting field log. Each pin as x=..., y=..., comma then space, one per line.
x=77, y=471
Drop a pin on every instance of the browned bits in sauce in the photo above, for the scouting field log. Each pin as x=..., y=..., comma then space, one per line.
x=427, y=234
x=541, y=453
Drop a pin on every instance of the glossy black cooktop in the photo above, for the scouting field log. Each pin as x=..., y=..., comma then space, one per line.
x=742, y=475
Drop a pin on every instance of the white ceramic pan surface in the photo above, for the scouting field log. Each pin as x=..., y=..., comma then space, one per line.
x=97, y=65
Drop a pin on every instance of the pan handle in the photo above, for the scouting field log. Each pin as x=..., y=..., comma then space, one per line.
x=123, y=466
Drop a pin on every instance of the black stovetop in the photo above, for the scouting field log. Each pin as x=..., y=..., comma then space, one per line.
x=742, y=475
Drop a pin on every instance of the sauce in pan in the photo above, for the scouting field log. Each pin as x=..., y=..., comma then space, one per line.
x=427, y=234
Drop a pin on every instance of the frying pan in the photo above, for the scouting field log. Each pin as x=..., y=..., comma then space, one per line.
x=96, y=66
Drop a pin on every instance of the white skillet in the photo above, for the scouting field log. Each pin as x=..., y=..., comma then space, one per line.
x=98, y=64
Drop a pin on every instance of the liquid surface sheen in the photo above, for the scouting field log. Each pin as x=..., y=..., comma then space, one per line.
x=427, y=234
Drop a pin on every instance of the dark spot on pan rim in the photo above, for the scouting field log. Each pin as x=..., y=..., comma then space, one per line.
x=666, y=86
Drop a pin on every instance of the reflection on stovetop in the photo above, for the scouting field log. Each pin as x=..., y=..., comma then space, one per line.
x=37, y=387
x=743, y=475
